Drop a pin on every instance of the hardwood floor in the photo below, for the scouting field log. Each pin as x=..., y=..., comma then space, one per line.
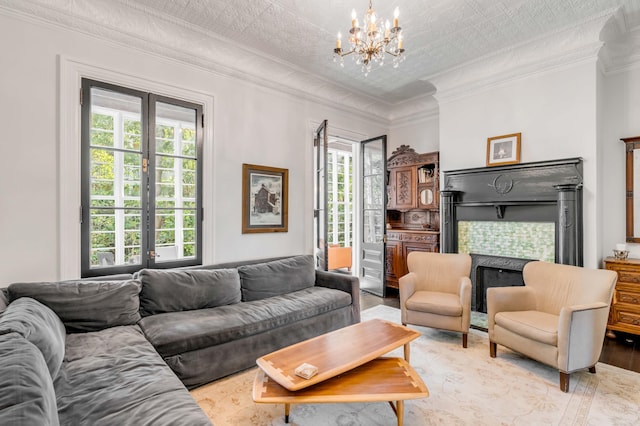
x=623, y=351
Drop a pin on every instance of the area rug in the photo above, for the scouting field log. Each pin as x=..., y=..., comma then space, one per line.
x=466, y=387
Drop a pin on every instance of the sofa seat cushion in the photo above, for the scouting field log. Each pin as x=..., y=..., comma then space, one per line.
x=535, y=325
x=263, y=280
x=180, y=332
x=115, y=377
x=85, y=305
x=26, y=390
x=434, y=302
x=39, y=325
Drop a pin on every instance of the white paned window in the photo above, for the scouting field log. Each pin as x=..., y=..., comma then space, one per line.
x=141, y=180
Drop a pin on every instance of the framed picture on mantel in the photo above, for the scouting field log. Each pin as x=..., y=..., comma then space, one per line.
x=503, y=150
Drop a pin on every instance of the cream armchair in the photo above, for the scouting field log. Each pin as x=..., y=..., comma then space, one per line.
x=558, y=318
x=437, y=292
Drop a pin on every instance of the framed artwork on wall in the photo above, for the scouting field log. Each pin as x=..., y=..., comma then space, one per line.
x=264, y=199
x=503, y=150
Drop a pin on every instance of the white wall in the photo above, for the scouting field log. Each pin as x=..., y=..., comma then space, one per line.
x=423, y=136
x=621, y=112
x=556, y=113
x=250, y=125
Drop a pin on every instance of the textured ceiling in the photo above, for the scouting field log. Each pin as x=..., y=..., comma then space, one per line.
x=439, y=34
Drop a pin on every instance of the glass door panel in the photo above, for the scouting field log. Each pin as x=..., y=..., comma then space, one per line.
x=175, y=182
x=320, y=199
x=372, y=259
x=116, y=176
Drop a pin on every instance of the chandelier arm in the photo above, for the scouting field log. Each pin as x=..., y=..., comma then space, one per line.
x=339, y=52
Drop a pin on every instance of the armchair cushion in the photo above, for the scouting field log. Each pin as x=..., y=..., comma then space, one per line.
x=434, y=302
x=534, y=325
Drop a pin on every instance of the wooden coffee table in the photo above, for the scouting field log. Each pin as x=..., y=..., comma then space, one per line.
x=383, y=379
x=349, y=369
x=336, y=352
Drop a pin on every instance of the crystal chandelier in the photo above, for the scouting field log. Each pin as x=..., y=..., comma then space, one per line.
x=371, y=41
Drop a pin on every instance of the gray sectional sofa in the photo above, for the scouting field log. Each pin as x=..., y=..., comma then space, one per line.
x=125, y=351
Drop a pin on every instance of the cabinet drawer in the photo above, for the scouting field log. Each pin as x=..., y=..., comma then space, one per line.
x=420, y=238
x=630, y=297
x=627, y=276
x=394, y=236
x=620, y=315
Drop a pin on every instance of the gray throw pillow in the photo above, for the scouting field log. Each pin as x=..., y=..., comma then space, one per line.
x=86, y=305
x=185, y=290
x=283, y=276
x=26, y=389
x=40, y=326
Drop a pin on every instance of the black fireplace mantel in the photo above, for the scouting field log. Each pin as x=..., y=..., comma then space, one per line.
x=539, y=191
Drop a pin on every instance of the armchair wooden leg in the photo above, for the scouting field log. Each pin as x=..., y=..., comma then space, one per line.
x=564, y=382
x=592, y=370
x=464, y=340
x=492, y=349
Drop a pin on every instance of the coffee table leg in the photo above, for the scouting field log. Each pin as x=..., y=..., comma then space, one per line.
x=287, y=408
x=400, y=412
x=406, y=352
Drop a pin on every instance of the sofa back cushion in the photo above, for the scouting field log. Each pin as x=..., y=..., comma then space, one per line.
x=185, y=290
x=86, y=305
x=27, y=396
x=278, y=277
x=3, y=299
x=40, y=326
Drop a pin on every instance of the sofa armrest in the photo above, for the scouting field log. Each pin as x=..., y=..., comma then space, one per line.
x=504, y=299
x=346, y=283
x=581, y=330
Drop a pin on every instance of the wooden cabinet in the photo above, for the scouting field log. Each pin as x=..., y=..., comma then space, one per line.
x=624, y=314
x=399, y=244
x=413, y=208
x=402, y=188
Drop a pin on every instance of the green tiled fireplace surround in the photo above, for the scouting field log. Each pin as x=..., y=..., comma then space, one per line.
x=524, y=240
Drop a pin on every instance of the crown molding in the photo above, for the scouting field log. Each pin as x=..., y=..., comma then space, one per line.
x=155, y=34
x=558, y=50
x=415, y=110
x=621, y=51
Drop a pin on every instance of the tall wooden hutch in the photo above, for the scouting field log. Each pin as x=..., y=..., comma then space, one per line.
x=413, y=208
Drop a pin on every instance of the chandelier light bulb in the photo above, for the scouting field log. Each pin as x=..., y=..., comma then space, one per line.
x=354, y=21
x=339, y=41
x=396, y=14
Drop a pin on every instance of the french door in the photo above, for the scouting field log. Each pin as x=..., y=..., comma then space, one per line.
x=372, y=178
x=321, y=146
x=373, y=235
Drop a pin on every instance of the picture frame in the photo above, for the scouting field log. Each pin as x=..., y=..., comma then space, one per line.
x=502, y=150
x=265, y=193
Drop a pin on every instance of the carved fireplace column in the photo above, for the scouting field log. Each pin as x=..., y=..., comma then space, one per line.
x=449, y=223
x=568, y=224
